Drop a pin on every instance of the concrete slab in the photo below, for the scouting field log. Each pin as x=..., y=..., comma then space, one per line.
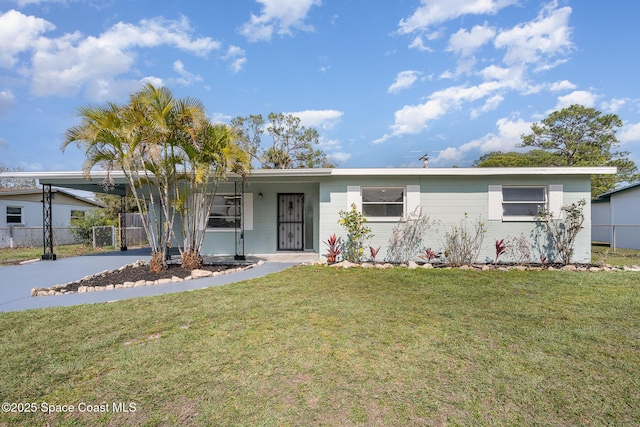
x=16, y=282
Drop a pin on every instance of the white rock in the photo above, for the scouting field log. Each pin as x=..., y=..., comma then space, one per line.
x=163, y=281
x=412, y=265
x=176, y=279
x=427, y=265
x=128, y=284
x=82, y=289
x=196, y=274
x=140, y=283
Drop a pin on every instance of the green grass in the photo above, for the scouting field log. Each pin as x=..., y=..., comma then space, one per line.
x=10, y=256
x=603, y=254
x=318, y=346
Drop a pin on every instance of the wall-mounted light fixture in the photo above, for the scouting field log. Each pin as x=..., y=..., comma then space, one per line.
x=260, y=196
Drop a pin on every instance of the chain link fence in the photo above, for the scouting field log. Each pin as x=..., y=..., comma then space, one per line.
x=619, y=236
x=103, y=236
x=29, y=237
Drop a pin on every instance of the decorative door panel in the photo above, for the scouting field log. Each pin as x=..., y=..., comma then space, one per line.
x=290, y=222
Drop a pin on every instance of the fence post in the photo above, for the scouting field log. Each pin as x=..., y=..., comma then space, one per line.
x=47, y=222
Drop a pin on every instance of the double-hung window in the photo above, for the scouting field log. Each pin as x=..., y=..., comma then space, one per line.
x=523, y=202
x=383, y=202
x=225, y=212
x=77, y=215
x=14, y=215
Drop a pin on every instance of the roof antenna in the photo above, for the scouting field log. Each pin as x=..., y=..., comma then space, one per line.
x=425, y=160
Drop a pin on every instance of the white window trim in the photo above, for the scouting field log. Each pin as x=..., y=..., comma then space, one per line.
x=247, y=211
x=411, y=201
x=7, y=215
x=554, y=201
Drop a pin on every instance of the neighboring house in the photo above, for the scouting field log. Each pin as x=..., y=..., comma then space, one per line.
x=21, y=213
x=298, y=209
x=615, y=218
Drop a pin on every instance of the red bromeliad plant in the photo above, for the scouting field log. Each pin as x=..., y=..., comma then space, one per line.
x=428, y=254
x=501, y=247
x=334, y=250
x=374, y=252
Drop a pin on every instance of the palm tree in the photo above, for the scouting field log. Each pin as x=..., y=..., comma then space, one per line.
x=168, y=152
x=214, y=151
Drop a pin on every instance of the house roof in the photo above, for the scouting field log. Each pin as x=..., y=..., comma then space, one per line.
x=605, y=197
x=78, y=180
x=29, y=191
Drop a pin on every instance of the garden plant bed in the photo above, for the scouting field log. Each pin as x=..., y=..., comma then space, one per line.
x=486, y=267
x=136, y=275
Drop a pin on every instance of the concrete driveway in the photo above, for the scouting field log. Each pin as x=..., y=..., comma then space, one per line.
x=17, y=281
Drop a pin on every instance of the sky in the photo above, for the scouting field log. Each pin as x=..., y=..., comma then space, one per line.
x=383, y=82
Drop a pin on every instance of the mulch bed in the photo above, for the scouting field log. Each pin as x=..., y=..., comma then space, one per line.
x=133, y=274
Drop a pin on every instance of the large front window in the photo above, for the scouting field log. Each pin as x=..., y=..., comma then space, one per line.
x=383, y=201
x=523, y=201
x=225, y=212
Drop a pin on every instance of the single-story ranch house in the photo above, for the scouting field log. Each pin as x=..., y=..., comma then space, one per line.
x=21, y=217
x=299, y=209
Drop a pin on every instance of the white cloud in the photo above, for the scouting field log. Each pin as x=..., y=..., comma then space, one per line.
x=279, y=16
x=412, y=119
x=491, y=104
x=237, y=57
x=338, y=156
x=221, y=118
x=7, y=101
x=506, y=138
x=465, y=43
x=562, y=85
x=186, y=78
x=432, y=12
x=404, y=80
x=19, y=33
x=538, y=41
x=66, y=65
x=581, y=97
x=418, y=43
x=324, y=119
x=238, y=65
x=629, y=133
x=333, y=149
x=614, y=105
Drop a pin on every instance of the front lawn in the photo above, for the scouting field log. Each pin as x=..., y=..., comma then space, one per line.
x=318, y=346
x=10, y=256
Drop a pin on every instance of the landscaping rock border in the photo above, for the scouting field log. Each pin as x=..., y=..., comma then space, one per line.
x=486, y=267
x=67, y=288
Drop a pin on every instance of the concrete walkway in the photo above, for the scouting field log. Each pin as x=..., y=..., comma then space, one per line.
x=17, y=281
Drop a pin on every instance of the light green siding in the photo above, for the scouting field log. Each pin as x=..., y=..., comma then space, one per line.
x=446, y=200
x=262, y=238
